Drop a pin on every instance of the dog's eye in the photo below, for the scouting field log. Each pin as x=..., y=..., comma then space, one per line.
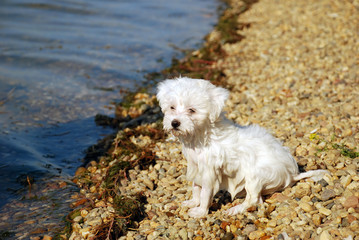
x=191, y=110
x=172, y=108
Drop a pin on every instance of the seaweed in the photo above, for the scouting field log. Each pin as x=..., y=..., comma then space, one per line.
x=121, y=156
x=129, y=210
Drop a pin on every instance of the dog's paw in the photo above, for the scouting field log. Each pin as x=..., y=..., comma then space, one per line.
x=197, y=212
x=236, y=209
x=190, y=203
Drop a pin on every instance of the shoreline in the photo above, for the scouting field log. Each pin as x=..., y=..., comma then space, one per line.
x=136, y=189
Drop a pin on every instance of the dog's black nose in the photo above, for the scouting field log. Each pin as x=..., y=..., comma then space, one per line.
x=175, y=123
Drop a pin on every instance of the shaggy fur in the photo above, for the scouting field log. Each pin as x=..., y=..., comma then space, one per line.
x=220, y=154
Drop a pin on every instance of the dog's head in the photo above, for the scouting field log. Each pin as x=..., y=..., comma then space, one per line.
x=189, y=104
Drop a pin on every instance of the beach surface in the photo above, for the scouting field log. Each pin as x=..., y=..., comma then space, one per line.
x=295, y=72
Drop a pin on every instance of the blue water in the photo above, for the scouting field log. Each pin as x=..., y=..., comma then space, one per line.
x=64, y=61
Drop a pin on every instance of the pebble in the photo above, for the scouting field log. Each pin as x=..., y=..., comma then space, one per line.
x=256, y=234
x=183, y=234
x=325, y=211
x=80, y=171
x=77, y=219
x=306, y=206
x=327, y=194
x=249, y=228
x=84, y=213
x=345, y=180
x=193, y=224
x=325, y=236
x=351, y=202
x=148, y=183
x=227, y=236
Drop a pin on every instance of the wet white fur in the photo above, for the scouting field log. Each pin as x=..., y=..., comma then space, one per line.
x=220, y=154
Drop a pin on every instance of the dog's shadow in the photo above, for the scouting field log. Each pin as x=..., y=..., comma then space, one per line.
x=220, y=199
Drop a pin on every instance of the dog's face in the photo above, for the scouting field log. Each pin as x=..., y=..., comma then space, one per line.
x=189, y=104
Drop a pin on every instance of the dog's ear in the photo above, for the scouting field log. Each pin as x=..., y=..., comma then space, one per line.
x=218, y=98
x=162, y=92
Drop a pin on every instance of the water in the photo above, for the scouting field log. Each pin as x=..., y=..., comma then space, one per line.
x=64, y=61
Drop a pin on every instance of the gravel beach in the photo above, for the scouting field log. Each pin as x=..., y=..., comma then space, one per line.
x=296, y=73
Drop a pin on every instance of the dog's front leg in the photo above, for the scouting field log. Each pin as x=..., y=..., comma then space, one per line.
x=205, y=201
x=196, y=197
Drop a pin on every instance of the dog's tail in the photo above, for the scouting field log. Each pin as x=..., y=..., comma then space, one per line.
x=315, y=175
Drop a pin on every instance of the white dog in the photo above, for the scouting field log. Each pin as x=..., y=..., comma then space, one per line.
x=222, y=155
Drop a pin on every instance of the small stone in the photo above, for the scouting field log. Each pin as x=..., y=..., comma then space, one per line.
x=283, y=236
x=228, y=236
x=224, y=225
x=92, y=169
x=218, y=222
x=249, y=228
x=140, y=237
x=347, y=132
x=351, y=202
x=94, y=221
x=151, y=214
x=93, y=189
x=325, y=236
x=172, y=170
x=77, y=219
x=351, y=218
x=153, y=175
x=85, y=232
x=172, y=230
x=301, y=151
x=233, y=228
x=325, y=211
x=353, y=185
x=100, y=204
x=327, y=194
x=317, y=219
x=148, y=183
x=272, y=223
x=75, y=236
x=257, y=234
x=306, y=206
x=183, y=234
x=345, y=180
x=354, y=226
x=340, y=165
x=323, y=182
x=84, y=213
x=193, y=224
x=302, y=190
x=277, y=197
x=80, y=171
